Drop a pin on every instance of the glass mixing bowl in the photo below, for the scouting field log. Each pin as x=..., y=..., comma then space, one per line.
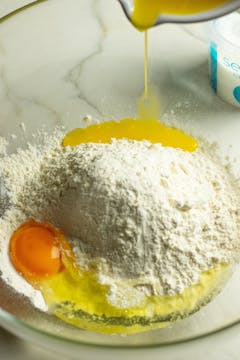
x=63, y=60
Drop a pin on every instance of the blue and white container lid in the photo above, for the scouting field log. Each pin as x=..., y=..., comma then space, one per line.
x=225, y=58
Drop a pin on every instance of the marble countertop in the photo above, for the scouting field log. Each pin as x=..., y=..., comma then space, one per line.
x=66, y=107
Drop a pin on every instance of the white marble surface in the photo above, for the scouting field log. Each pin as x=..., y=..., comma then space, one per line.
x=6, y=6
x=86, y=59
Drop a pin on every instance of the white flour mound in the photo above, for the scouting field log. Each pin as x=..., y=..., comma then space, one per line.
x=150, y=215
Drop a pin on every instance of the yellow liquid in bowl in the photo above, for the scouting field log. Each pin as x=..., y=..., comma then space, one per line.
x=131, y=129
x=82, y=301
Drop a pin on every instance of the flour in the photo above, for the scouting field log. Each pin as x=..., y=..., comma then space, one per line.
x=150, y=218
x=3, y=146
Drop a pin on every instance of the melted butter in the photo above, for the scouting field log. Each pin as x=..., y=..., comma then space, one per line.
x=146, y=127
x=146, y=66
x=146, y=12
x=131, y=129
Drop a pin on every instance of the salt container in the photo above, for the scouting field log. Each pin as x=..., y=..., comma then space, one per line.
x=225, y=58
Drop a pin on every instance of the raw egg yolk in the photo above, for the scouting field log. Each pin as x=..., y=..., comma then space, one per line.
x=132, y=129
x=35, y=250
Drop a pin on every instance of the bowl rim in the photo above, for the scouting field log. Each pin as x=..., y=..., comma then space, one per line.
x=9, y=319
x=12, y=320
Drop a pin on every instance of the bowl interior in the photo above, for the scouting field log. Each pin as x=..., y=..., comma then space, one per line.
x=63, y=60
